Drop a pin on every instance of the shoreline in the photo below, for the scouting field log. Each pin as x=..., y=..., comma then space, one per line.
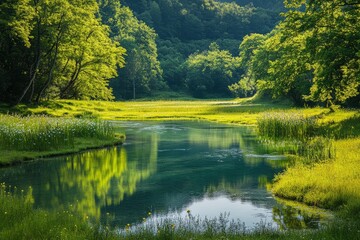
x=58, y=153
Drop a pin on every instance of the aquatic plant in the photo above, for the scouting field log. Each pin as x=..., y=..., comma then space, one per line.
x=298, y=133
x=285, y=126
x=316, y=149
x=40, y=133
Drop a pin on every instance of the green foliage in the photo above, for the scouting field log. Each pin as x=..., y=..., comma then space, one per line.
x=188, y=27
x=56, y=49
x=193, y=20
x=311, y=56
x=142, y=72
x=211, y=71
x=40, y=133
x=248, y=48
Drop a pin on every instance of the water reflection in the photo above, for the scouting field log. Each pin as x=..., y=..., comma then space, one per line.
x=288, y=217
x=162, y=168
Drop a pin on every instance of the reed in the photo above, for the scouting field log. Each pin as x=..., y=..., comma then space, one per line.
x=316, y=149
x=285, y=126
x=19, y=220
x=41, y=133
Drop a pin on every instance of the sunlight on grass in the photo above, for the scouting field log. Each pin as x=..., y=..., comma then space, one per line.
x=226, y=111
x=330, y=184
x=40, y=133
x=36, y=136
x=18, y=219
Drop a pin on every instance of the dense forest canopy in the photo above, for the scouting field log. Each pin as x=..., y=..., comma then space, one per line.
x=55, y=49
x=304, y=50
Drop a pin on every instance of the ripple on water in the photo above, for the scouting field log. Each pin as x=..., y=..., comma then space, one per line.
x=221, y=154
x=266, y=156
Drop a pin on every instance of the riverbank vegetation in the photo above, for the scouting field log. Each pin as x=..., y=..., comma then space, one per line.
x=19, y=220
x=325, y=173
x=31, y=136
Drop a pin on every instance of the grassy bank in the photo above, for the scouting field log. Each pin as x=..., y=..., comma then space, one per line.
x=326, y=172
x=36, y=136
x=19, y=220
x=333, y=184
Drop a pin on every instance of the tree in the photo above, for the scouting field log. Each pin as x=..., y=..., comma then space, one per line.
x=142, y=72
x=211, y=72
x=331, y=33
x=312, y=55
x=66, y=51
x=247, y=84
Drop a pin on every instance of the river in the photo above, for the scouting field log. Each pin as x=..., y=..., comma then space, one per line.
x=166, y=169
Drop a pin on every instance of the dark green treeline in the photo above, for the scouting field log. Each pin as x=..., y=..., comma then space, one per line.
x=109, y=49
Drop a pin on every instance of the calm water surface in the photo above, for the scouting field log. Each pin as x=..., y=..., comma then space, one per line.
x=165, y=168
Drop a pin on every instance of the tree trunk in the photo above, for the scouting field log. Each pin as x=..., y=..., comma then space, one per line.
x=35, y=65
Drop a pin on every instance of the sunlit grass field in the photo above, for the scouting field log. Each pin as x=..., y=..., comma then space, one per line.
x=326, y=172
x=235, y=111
x=36, y=136
x=333, y=184
x=41, y=133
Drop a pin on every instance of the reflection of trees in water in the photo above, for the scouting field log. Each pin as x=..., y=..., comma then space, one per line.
x=220, y=138
x=93, y=179
x=242, y=138
x=291, y=218
x=99, y=178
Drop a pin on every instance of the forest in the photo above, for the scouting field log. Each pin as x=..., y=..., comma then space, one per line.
x=305, y=51
x=179, y=119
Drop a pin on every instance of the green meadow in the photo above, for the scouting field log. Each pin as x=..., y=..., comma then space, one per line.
x=233, y=111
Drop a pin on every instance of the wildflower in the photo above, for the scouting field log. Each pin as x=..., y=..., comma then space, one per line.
x=127, y=227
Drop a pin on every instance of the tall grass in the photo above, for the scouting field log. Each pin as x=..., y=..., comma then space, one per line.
x=285, y=126
x=316, y=149
x=297, y=131
x=41, y=133
x=19, y=220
